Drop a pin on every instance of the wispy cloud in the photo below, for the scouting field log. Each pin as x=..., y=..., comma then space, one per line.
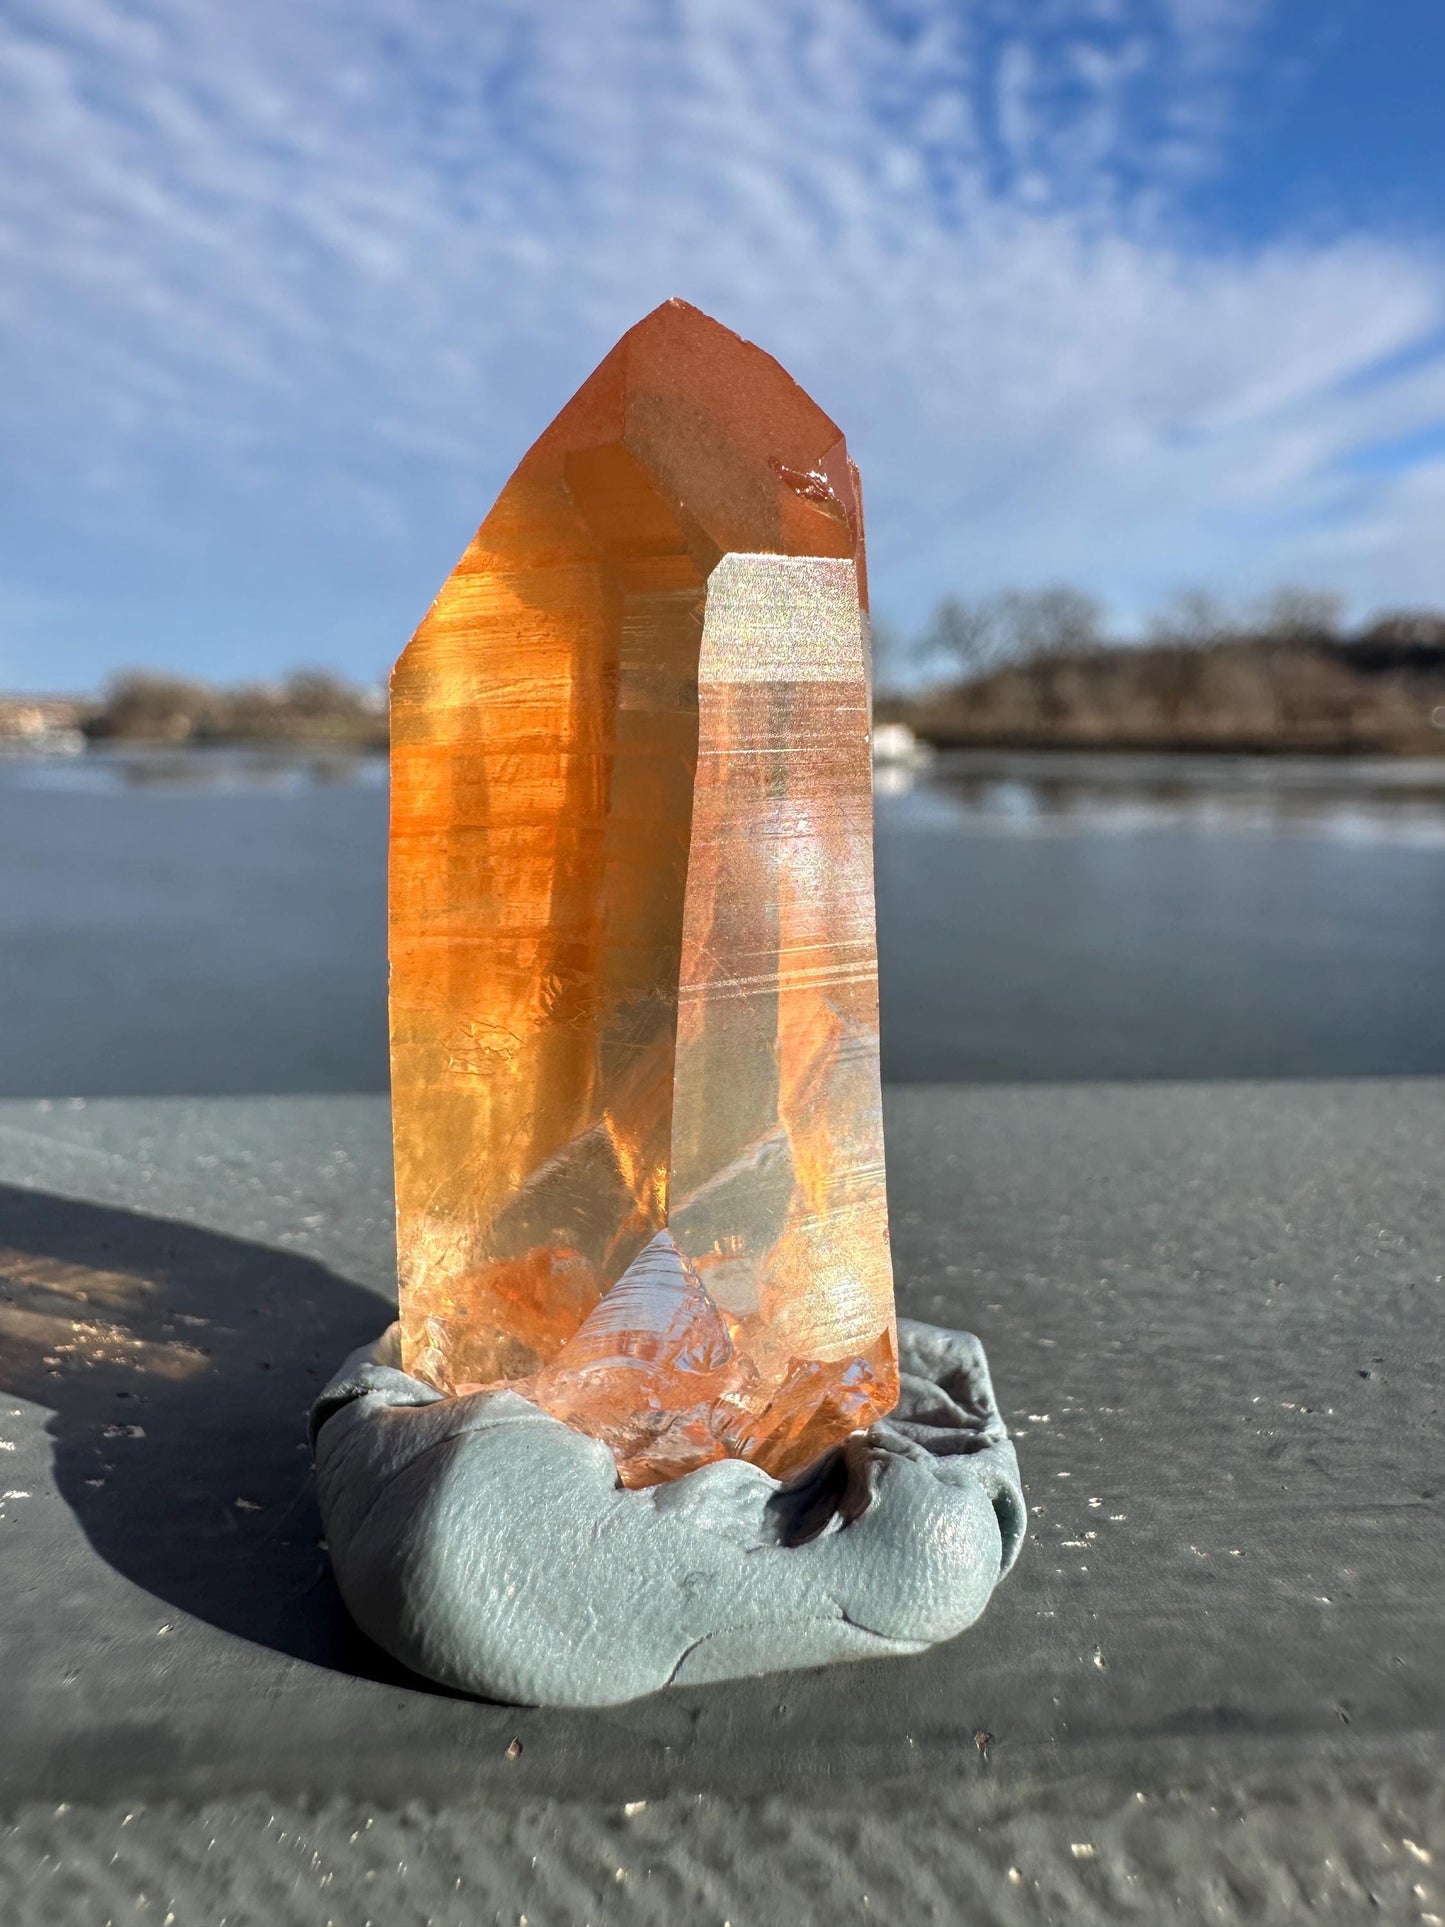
x=285, y=289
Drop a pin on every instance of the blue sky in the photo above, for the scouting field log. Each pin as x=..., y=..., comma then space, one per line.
x=1135, y=293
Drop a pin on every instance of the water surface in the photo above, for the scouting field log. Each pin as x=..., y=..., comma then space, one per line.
x=215, y=921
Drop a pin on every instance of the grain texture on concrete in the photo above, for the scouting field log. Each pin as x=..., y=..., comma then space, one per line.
x=1215, y=1316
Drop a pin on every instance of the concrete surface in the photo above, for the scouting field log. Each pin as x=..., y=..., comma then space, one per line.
x=1214, y=1315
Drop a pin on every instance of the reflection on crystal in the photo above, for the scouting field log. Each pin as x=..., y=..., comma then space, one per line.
x=634, y=981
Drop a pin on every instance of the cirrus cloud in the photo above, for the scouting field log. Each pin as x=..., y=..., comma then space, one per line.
x=286, y=289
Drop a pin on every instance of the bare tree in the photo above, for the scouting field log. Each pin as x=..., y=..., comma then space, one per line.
x=1039, y=625
x=963, y=634
x=143, y=704
x=318, y=692
x=1296, y=615
x=1192, y=619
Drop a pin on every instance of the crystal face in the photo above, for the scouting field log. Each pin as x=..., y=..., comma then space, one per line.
x=634, y=1012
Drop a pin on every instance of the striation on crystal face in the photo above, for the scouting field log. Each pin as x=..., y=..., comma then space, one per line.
x=639, y=1151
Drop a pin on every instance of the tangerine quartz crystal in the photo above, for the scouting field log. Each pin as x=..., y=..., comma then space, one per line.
x=634, y=985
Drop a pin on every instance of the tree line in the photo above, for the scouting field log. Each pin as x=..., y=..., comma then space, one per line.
x=965, y=639
x=310, y=706
x=1040, y=667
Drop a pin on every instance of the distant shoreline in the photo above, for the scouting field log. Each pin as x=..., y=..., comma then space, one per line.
x=1272, y=748
x=1118, y=760
x=940, y=739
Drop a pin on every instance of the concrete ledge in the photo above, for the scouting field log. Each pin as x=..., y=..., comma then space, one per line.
x=1215, y=1312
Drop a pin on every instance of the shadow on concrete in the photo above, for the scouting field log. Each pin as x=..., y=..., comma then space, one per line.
x=179, y=1364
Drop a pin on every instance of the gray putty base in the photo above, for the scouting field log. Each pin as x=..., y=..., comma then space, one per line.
x=490, y=1547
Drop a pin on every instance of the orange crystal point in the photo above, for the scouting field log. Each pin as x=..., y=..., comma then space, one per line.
x=634, y=1007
